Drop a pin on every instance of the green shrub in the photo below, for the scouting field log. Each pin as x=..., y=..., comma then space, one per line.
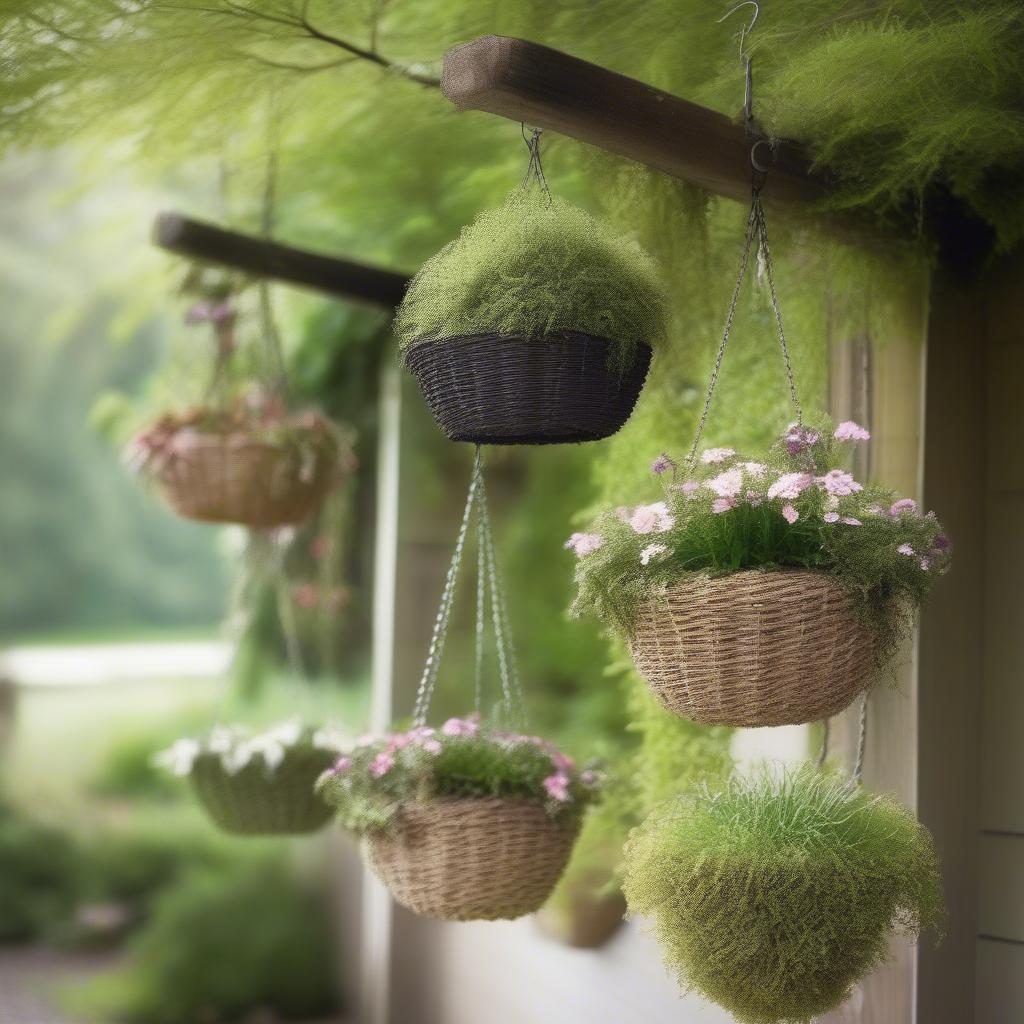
x=221, y=945
x=536, y=267
x=39, y=877
x=774, y=897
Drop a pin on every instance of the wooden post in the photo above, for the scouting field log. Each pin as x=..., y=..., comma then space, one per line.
x=261, y=257
x=545, y=88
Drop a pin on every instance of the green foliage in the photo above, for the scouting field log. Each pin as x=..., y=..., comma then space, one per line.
x=39, y=877
x=792, y=510
x=536, y=266
x=773, y=897
x=221, y=945
x=463, y=760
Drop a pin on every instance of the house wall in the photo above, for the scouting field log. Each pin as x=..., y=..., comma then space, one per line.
x=1000, y=851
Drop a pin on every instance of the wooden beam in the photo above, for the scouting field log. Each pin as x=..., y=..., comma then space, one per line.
x=264, y=258
x=545, y=88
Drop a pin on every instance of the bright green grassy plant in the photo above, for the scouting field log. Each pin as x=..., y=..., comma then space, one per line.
x=794, y=509
x=537, y=266
x=774, y=897
x=462, y=759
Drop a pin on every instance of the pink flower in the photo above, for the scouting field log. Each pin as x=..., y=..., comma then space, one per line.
x=584, y=543
x=850, y=431
x=876, y=510
x=831, y=517
x=790, y=514
x=381, y=764
x=306, y=595
x=460, y=727
x=925, y=563
x=789, y=485
x=839, y=483
x=720, y=505
x=557, y=786
x=431, y=746
x=727, y=484
x=689, y=488
x=755, y=468
x=651, y=518
x=662, y=464
x=650, y=551
x=715, y=455
x=940, y=543
x=342, y=765
x=907, y=549
x=753, y=497
x=589, y=777
x=903, y=505
x=798, y=438
x=561, y=761
x=851, y=521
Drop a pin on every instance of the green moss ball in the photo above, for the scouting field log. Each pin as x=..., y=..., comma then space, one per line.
x=773, y=898
x=536, y=266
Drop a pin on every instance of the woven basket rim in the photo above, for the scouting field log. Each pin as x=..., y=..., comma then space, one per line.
x=548, y=337
x=447, y=802
x=782, y=570
x=237, y=439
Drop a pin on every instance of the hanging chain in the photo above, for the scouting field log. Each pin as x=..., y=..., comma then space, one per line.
x=534, y=169
x=726, y=331
x=489, y=588
x=769, y=270
x=756, y=228
x=430, y=669
x=862, y=740
x=507, y=668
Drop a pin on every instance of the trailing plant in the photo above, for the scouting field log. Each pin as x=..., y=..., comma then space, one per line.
x=794, y=509
x=775, y=895
x=462, y=759
x=537, y=266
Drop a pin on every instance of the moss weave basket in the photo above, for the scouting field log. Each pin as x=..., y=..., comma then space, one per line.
x=233, y=478
x=753, y=648
x=472, y=859
x=714, y=940
x=257, y=801
x=511, y=389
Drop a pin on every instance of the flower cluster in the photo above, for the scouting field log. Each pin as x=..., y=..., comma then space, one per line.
x=462, y=758
x=236, y=748
x=795, y=508
x=307, y=435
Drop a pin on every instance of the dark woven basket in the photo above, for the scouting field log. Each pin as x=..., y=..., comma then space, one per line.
x=256, y=801
x=510, y=389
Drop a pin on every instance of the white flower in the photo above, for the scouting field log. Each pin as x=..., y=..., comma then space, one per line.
x=650, y=551
x=654, y=518
x=789, y=485
x=272, y=751
x=286, y=733
x=727, y=484
x=222, y=739
x=236, y=759
x=328, y=738
x=180, y=757
x=754, y=468
x=715, y=455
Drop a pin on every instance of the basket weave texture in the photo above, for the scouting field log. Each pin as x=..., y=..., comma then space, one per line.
x=510, y=389
x=472, y=859
x=232, y=478
x=256, y=801
x=753, y=648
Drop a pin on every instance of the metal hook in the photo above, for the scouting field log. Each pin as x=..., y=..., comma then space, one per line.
x=748, y=83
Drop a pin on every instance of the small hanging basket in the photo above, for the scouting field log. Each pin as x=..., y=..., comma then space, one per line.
x=472, y=859
x=512, y=389
x=259, y=801
x=753, y=648
x=235, y=478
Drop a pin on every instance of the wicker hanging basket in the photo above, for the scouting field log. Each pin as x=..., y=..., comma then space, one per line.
x=753, y=648
x=258, y=801
x=469, y=859
x=233, y=478
x=509, y=389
